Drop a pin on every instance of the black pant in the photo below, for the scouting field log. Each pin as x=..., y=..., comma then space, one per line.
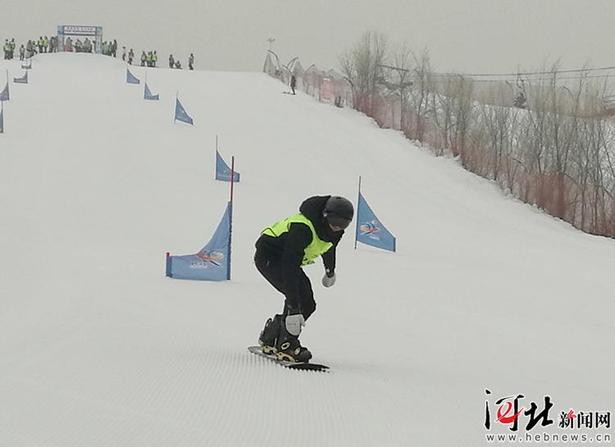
x=272, y=271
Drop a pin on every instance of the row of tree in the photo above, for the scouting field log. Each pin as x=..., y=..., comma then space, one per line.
x=547, y=140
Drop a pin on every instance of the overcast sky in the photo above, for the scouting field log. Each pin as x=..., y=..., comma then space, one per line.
x=461, y=35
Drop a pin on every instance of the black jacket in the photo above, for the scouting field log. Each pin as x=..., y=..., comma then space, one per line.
x=288, y=248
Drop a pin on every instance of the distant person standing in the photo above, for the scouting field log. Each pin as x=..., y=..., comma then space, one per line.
x=124, y=54
x=12, y=46
x=131, y=56
x=171, y=61
x=22, y=52
x=293, y=83
x=191, y=62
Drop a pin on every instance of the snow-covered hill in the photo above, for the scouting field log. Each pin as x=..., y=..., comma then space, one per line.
x=98, y=348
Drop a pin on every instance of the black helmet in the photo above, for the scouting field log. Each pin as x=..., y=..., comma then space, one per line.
x=338, y=211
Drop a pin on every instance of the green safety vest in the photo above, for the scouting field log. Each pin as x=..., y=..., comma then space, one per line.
x=316, y=248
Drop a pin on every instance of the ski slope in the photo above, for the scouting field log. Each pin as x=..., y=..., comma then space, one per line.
x=98, y=348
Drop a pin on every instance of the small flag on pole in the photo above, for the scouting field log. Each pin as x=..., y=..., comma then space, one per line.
x=370, y=230
x=223, y=172
x=130, y=78
x=212, y=262
x=22, y=80
x=4, y=94
x=180, y=113
x=148, y=94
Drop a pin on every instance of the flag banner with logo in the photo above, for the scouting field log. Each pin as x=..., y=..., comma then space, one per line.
x=4, y=94
x=180, y=113
x=148, y=94
x=370, y=230
x=223, y=172
x=22, y=80
x=130, y=78
x=212, y=262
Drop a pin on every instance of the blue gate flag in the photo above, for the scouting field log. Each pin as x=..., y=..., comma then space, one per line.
x=212, y=262
x=130, y=78
x=223, y=172
x=148, y=94
x=4, y=94
x=370, y=230
x=180, y=113
x=22, y=80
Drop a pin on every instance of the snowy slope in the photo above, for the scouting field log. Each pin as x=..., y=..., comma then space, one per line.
x=98, y=348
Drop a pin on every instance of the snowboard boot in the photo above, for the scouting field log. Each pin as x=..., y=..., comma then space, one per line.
x=270, y=334
x=288, y=348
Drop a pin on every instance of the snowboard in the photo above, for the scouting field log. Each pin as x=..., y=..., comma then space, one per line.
x=290, y=365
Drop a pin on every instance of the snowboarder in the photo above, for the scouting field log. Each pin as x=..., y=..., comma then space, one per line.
x=281, y=252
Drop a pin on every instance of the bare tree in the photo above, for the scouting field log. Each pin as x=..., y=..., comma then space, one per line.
x=362, y=67
x=398, y=79
x=452, y=111
x=419, y=95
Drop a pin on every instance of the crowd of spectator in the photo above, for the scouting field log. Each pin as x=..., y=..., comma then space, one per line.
x=109, y=48
x=32, y=47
